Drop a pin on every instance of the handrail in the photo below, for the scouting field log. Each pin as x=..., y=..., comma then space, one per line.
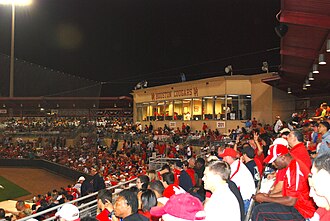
x=249, y=212
x=75, y=201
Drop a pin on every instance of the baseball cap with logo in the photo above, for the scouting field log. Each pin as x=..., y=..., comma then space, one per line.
x=183, y=206
x=228, y=152
x=276, y=151
x=68, y=212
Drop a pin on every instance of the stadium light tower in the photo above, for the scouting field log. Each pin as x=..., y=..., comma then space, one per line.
x=13, y=4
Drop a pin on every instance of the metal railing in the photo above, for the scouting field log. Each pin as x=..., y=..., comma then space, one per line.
x=87, y=204
x=252, y=202
x=156, y=163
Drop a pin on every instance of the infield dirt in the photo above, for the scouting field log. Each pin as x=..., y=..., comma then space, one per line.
x=36, y=181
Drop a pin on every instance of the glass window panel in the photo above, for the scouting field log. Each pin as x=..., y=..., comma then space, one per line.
x=187, y=109
x=220, y=108
x=161, y=110
x=178, y=112
x=239, y=107
x=197, y=109
x=142, y=111
x=169, y=110
x=153, y=111
x=245, y=106
x=208, y=105
x=139, y=112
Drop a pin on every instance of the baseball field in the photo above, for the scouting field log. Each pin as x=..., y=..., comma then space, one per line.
x=25, y=183
x=9, y=190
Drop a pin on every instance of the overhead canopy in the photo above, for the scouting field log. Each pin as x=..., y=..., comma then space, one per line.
x=308, y=31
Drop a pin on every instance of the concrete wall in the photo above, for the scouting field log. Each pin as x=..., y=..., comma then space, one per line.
x=262, y=103
x=197, y=125
x=47, y=165
x=283, y=104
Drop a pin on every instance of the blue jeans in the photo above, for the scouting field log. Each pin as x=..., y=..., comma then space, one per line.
x=246, y=205
x=275, y=211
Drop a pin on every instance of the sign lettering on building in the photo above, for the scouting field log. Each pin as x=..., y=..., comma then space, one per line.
x=175, y=94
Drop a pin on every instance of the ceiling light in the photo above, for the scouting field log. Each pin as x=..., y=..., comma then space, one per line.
x=315, y=69
x=289, y=90
x=322, y=59
x=304, y=87
x=328, y=45
x=310, y=76
x=307, y=83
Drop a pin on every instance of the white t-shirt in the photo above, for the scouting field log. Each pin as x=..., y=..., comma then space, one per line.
x=243, y=179
x=222, y=205
x=188, y=151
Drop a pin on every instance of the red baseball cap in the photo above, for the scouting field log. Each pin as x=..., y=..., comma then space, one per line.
x=275, y=151
x=183, y=206
x=228, y=152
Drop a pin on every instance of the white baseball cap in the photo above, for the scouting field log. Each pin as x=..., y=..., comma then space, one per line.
x=68, y=212
x=81, y=178
x=281, y=141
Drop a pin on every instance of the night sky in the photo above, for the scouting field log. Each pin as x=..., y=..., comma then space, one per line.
x=126, y=41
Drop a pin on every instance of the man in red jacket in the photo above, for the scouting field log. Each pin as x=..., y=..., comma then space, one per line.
x=298, y=149
x=293, y=203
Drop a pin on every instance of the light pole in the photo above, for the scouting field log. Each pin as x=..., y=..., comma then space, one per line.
x=13, y=4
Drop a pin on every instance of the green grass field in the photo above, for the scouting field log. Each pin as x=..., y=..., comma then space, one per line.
x=11, y=190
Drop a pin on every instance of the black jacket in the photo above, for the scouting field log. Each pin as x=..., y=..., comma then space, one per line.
x=232, y=186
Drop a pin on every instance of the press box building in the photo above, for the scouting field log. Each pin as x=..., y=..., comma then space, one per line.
x=222, y=102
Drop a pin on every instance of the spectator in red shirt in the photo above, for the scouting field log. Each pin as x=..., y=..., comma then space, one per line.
x=147, y=199
x=170, y=187
x=183, y=127
x=298, y=149
x=189, y=168
x=204, y=128
x=104, y=204
x=294, y=202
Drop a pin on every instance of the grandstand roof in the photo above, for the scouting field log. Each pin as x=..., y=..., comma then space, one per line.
x=308, y=31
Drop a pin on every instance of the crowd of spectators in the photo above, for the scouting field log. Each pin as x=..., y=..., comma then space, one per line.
x=41, y=124
x=221, y=186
